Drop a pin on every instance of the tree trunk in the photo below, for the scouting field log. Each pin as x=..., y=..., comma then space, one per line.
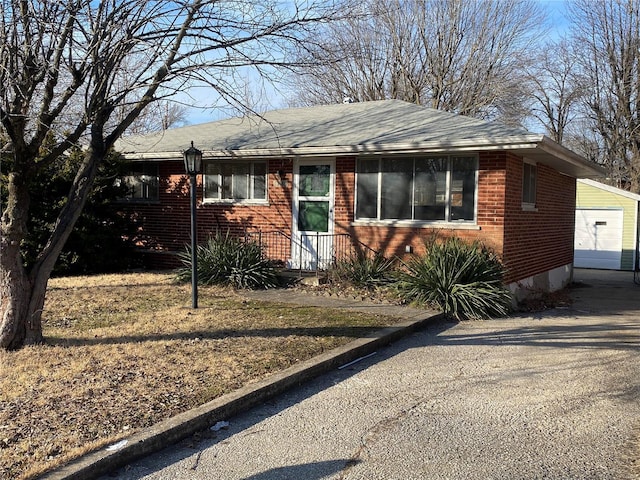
x=21, y=297
x=21, y=304
x=22, y=293
x=15, y=287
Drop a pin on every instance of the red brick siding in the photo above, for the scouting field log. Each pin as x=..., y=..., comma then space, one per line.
x=541, y=240
x=345, y=187
x=165, y=226
x=491, y=199
x=528, y=242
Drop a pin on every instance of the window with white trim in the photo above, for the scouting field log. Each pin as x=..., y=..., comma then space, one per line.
x=238, y=181
x=529, y=179
x=422, y=189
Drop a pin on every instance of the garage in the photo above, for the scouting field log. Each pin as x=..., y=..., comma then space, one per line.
x=598, y=238
x=607, y=226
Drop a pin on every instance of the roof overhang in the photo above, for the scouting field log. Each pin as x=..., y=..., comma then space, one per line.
x=538, y=148
x=554, y=155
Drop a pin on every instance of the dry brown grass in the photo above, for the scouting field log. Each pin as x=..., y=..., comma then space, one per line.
x=124, y=352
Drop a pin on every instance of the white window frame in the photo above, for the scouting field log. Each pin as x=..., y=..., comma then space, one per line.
x=250, y=200
x=446, y=222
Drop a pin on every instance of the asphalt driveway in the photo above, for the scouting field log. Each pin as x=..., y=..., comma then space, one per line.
x=552, y=395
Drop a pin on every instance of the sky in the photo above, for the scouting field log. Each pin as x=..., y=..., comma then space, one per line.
x=558, y=16
x=270, y=97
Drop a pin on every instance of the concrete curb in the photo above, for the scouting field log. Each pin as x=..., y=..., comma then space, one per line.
x=181, y=426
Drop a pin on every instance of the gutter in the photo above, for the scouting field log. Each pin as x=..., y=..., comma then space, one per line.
x=525, y=145
x=474, y=145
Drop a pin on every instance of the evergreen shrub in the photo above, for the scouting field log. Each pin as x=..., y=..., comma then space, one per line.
x=225, y=260
x=464, y=280
x=363, y=269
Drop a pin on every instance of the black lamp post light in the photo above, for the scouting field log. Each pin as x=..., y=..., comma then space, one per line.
x=193, y=166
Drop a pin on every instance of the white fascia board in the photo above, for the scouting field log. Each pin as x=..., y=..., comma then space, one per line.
x=143, y=157
x=508, y=143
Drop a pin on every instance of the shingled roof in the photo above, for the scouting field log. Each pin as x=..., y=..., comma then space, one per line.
x=385, y=126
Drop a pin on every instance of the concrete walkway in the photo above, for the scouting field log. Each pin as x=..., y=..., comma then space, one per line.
x=551, y=395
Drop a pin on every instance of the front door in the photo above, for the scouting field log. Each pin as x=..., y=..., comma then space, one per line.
x=312, y=227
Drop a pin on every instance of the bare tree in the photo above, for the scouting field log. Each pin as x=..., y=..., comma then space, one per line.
x=607, y=37
x=350, y=62
x=464, y=56
x=158, y=116
x=555, y=88
x=80, y=72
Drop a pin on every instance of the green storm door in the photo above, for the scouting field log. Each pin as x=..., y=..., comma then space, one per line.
x=312, y=242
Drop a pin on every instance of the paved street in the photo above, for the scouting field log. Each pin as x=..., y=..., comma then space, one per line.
x=550, y=395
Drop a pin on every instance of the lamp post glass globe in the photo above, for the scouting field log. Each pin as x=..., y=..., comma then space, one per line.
x=192, y=160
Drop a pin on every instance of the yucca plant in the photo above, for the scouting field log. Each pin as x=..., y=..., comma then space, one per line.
x=364, y=269
x=225, y=260
x=463, y=280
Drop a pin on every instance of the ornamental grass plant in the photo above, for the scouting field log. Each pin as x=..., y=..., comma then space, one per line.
x=363, y=270
x=462, y=279
x=225, y=260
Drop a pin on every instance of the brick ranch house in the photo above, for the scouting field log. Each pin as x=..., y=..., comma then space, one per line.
x=309, y=183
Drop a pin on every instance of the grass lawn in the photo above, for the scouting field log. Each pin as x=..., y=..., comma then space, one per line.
x=125, y=351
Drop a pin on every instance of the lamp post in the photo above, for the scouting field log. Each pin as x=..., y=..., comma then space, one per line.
x=193, y=166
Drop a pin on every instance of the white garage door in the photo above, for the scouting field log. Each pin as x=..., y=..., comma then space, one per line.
x=598, y=240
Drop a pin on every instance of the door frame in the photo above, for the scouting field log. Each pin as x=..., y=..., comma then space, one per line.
x=298, y=238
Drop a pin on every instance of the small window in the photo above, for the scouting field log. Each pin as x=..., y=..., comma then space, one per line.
x=142, y=181
x=529, y=175
x=235, y=181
